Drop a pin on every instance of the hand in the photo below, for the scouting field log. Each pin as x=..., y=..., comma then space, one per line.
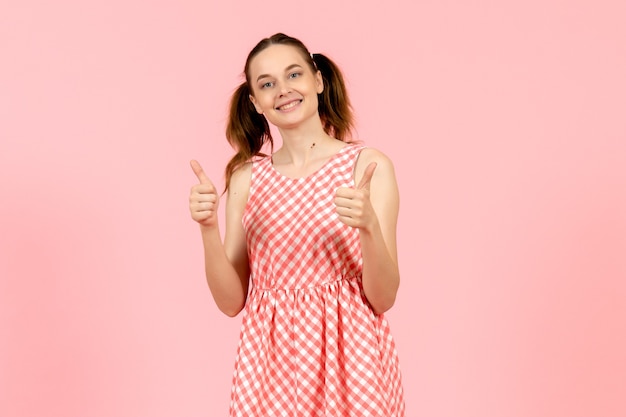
x=203, y=199
x=353, y=204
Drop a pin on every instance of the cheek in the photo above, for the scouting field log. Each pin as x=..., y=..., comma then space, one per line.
x=265, y=98
x=262, y=102
x=316, y=99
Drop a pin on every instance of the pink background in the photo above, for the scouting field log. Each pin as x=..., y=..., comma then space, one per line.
x=506, y=122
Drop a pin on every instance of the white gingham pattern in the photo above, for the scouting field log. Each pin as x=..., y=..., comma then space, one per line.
x=310, y=344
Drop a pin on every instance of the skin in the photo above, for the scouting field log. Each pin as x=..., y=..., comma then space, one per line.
x=279, y=76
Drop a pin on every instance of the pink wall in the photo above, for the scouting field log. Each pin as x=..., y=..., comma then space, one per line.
x=506, y=121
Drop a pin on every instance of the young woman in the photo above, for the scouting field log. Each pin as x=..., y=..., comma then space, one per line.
x=309, y=251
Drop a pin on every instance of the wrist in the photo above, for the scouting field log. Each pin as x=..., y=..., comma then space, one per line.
x=370, y=229
x=208, y=229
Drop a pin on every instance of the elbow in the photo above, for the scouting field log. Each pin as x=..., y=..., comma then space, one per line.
x=232, y=308
x=229, y=302
x=381, y=299
x=383, y=305
x=231, y=311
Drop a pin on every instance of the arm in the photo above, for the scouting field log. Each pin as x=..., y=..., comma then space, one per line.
x=373, y=207
x=226, y=265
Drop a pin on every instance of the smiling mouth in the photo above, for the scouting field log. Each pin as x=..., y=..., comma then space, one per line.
x=289, y=105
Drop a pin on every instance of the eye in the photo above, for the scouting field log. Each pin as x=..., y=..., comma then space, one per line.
x=267, y=84
x=295, y=75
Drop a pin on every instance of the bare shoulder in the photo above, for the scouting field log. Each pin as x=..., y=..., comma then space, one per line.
x=383, y=187
x=240, y=183
x=384, y=165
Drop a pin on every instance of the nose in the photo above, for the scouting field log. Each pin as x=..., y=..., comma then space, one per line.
x=284, y=89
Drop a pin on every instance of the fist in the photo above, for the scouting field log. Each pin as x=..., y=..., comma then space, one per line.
x=353, y=204
x=203, y=199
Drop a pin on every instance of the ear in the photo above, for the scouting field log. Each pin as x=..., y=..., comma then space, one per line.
x=319, y=82
x=256, y=105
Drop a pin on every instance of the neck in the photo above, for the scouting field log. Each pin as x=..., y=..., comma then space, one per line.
x=300, y=139
x=300, y=145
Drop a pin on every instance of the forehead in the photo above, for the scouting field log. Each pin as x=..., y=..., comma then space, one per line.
x=274, y=59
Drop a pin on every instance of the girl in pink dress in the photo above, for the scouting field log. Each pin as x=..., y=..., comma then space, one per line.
x=309, y=252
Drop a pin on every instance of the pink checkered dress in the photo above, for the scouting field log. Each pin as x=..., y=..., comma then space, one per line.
x=310, y=344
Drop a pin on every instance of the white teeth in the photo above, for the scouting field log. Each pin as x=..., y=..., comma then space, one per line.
x=290, y=105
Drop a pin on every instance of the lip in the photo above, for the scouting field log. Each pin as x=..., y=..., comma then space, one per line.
x=297, y=101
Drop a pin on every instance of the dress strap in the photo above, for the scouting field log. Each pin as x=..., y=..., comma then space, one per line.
x=354, y=154
x=260, y=168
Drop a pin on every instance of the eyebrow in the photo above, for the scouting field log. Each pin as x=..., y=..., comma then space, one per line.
x=286, y=69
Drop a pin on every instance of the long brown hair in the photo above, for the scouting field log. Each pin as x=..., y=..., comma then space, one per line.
x=248, y=131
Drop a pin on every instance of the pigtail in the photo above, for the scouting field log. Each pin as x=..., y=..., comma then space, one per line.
x=246, y=130
x=334, y=105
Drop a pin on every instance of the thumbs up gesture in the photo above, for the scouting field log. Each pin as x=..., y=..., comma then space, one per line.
x=353, y=204
x=203, y=199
